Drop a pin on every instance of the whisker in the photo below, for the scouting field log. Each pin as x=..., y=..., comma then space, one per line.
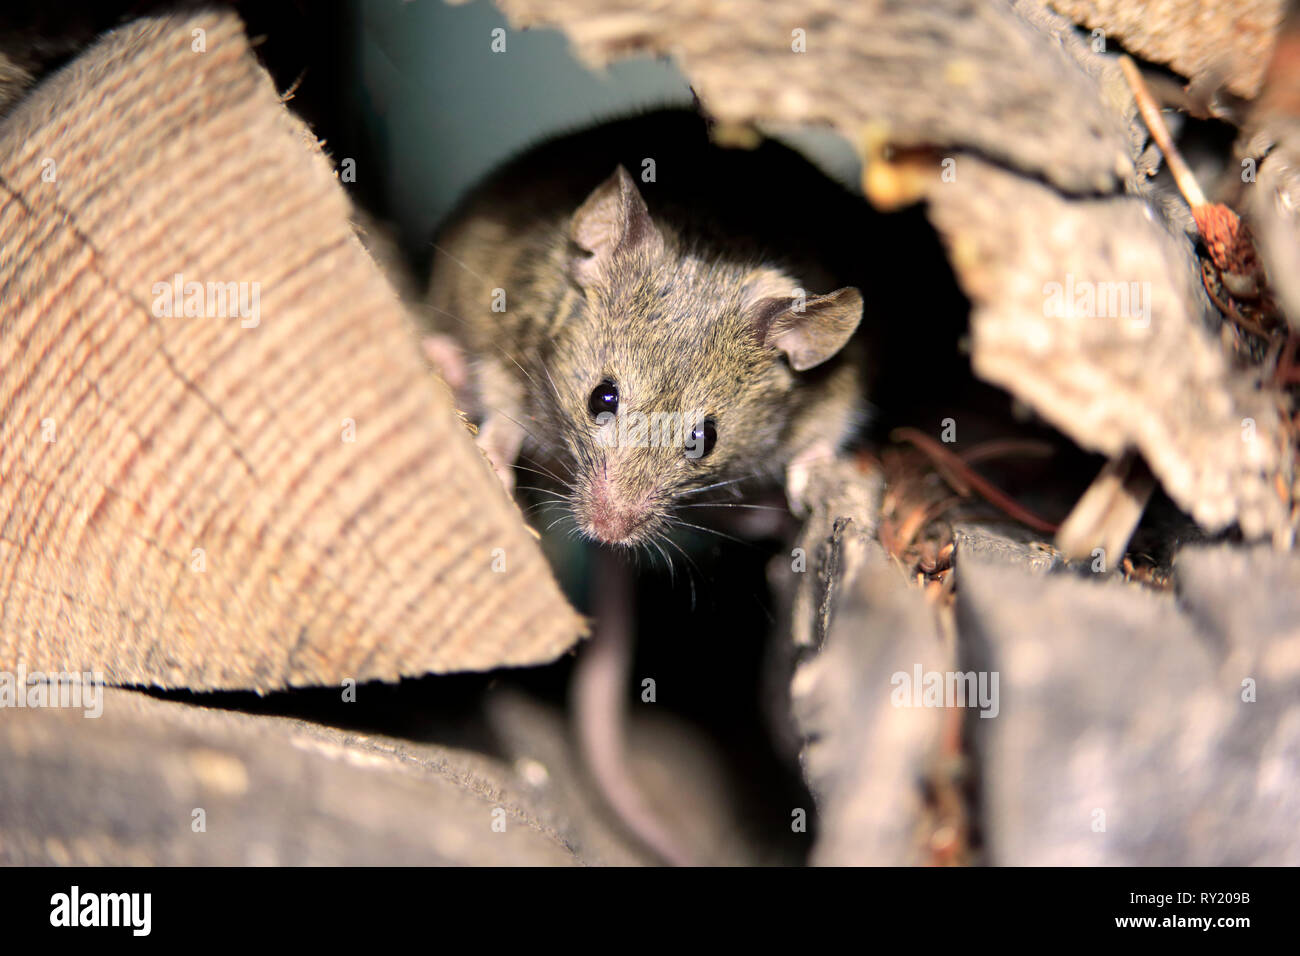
x=450, y=315
x=667, y=561
x=557, y=498
x=536, y=384
x=542, y=490
x=732, y=504
x=545, y=473
x=555, y=389
x=672, y=519
x=557, y=521
x=718, y=484
x=691, y=564
x=457, y=261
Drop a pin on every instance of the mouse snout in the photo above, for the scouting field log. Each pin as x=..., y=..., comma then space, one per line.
x=607, y=515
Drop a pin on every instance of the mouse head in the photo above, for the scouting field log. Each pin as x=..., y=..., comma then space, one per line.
x=684, y=368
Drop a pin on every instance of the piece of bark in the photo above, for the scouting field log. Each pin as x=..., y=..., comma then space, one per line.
x=1004, y=545
x=922, y=73
x=854, y=624
x=844, y=502
x=122, y=789
x=1124, y=736
x=186, y=501
x=866, y=756
x=1105, y=517
x=1271, y=138
x=1148, y=376
x=1264, y=615
x=1221, y=41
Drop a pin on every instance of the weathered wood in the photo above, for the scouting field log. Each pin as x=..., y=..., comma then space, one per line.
x=865, y=758
x=124, y=788
x=226, y=500
x=1210, y=41
x=1126, y=734
x=1152, y=378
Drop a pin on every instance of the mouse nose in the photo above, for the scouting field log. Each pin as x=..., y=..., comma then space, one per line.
x=609, y=518
x=614, y=528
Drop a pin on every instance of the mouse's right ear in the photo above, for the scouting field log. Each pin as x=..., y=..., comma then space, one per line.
x=807, y=329
x=613, y=219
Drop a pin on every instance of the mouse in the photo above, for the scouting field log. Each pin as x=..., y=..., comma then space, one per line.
x=650, y=320
x=650, y=316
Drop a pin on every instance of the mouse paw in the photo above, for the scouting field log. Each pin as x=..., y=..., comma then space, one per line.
x=505, y=473
x=448, y=360
x=799, y=472
x=796, y=486
x=500, y=440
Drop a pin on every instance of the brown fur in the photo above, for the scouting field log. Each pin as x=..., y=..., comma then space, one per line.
x=681, y=318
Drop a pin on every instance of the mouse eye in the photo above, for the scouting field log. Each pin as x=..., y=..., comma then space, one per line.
x=701, y=439
x=603, y=399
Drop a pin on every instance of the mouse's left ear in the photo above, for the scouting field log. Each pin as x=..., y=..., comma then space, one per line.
x=811, y=329
x=614, y=218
